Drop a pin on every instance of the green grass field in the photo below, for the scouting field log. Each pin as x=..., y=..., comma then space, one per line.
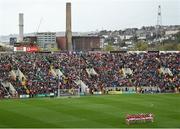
x=90, y=111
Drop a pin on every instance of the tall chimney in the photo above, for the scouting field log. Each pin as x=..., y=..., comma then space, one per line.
x=68, y=27
x=21, y=27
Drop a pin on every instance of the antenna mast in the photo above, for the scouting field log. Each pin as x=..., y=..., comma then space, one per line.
x=159, y=22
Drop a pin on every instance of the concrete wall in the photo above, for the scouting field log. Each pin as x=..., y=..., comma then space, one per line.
x=89, y=43
x=80, y=43
x=61, y=43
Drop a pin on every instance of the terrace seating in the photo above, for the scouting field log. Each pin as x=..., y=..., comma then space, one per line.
x=97, y=71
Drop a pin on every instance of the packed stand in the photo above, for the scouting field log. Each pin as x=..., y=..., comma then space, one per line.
x=39, y=79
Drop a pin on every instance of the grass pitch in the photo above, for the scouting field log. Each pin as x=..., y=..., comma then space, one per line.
x=106, y=111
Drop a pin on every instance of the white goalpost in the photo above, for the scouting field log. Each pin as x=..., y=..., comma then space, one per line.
x=68, y=93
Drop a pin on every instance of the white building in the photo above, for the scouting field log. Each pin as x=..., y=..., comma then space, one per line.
x=47, y=40
x=171, y=32
x=102, y=41
x=125, y=37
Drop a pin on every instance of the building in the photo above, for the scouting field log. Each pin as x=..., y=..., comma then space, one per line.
x=12, y=40
x=30, y=39
x=80, y=43
x=171, y=32
x=86, y=43
x=46, y=40
x=61, y=42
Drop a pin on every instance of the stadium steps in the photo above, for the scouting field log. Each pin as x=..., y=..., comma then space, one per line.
x=21, y=76
x=8, y=87
x=83, y=86
x=12, y=74
x=15, y=73
x=166, y=71
x=91, y=71
x=56, y=72
x=127, y=71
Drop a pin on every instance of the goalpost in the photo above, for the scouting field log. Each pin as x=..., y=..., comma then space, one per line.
x=68, y=93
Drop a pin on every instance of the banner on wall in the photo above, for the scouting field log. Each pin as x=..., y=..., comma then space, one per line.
x=32, y=49
x=26, y=49
x=20, y=49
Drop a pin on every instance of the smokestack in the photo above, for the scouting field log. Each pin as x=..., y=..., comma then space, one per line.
x=21, y=27
x=68, y=27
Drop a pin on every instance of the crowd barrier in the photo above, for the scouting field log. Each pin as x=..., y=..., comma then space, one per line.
x=37, y=96
x=121, y=92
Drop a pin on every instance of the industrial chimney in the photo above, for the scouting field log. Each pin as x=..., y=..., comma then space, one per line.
x=68, y=27
x=21, y=27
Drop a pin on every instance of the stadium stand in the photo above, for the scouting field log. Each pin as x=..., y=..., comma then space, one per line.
x=44, y=73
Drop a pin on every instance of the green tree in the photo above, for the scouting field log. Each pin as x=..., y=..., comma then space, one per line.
x=2, y=48
x=177, y=36
x=141, y=46
x=169, y=47
x=109, y=48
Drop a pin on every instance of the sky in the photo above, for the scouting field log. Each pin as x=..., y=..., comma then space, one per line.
x=87, y=15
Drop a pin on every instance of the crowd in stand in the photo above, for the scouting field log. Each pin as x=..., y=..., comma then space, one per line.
x=39, y=79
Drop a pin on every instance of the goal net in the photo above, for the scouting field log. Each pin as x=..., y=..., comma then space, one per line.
x=68, y=93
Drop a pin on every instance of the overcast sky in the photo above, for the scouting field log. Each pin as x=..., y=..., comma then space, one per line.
x=87, y=15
